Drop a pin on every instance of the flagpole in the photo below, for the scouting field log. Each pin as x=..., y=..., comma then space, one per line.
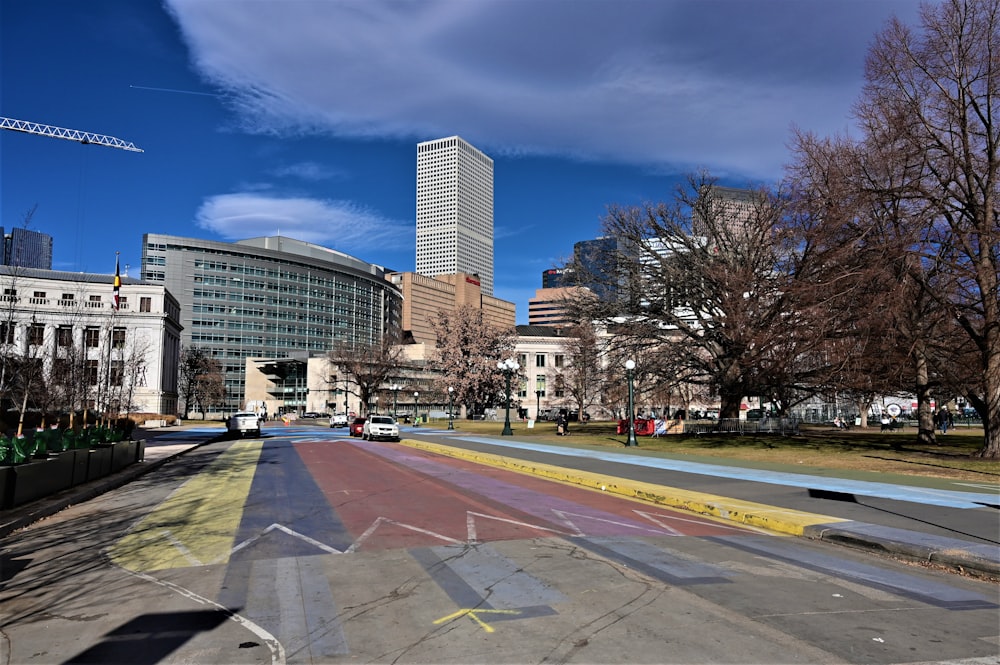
x=111, y=331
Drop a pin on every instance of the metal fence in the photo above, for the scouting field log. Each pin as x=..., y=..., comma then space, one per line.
x=785, y=426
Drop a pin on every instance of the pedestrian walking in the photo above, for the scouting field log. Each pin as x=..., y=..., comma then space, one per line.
x=944, y=419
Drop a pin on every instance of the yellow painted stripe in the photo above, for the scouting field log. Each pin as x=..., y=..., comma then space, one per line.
x=197, y=524
x=772, y=518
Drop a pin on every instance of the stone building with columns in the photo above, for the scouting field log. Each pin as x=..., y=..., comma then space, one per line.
x=67, y=328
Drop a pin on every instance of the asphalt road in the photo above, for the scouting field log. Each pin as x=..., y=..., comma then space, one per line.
x=307, y=546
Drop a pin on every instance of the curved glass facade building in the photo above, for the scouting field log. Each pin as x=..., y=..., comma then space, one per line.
x=269, y=298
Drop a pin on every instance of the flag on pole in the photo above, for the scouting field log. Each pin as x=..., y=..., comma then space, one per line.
x=118, y=282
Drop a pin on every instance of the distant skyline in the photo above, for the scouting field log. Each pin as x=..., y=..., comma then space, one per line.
x=302, y=118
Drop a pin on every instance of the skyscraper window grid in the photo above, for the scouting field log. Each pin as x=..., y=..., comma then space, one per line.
x=454, y=210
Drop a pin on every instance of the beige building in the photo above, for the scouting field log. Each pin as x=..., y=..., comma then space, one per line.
x=425, y=297
x=548, y=307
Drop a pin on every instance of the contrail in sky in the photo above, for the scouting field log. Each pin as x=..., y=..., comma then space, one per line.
x=183, y=92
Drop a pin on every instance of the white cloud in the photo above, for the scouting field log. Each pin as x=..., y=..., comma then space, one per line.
x=337, y=224
x=309, y=171
x=676, y=84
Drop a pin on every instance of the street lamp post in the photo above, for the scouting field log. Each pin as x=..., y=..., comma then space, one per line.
x=630, y=439
x=451, y=408
x=508, y=367
x=416, y=418
x=395, y=400
x=538, y=405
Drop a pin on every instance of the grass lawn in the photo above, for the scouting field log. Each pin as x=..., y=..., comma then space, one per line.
x=816, y=446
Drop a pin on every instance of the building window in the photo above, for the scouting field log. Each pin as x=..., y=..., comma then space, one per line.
x=64, y=336
x=117, y=372
x=118, y=338
x=36, y=334
x=559, y=361
x=145, y=304
x=92, y=337
x=539, y=360
x=90, y=372
x=540, y=384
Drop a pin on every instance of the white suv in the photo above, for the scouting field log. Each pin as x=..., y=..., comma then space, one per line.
x=243, y=423
x=380, y=427
x=338, y=420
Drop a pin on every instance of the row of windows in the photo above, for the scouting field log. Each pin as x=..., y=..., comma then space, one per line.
x=63, y=335
x=298, y=272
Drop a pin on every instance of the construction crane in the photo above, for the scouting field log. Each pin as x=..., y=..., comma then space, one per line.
x=63, y=133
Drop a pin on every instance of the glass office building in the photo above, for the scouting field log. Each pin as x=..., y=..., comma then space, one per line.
x=271, y=297
x=24, y=248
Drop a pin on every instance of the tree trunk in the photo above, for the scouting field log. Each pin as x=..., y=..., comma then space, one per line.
x=729, y=406
x=925, y=415
x=991, y=384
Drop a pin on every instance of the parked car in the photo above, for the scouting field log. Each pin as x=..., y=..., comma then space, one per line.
x=380, y=427
x=312, y=414
x=244, y=422
x=358, y=426
x=338, y=420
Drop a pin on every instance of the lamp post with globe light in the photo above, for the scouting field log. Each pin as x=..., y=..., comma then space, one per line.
x=508, y=367
x=451, y=417
x=630, y=439
x=395, y=399
x=416, y=418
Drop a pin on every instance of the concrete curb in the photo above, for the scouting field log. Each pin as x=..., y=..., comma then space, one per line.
x=951, y=552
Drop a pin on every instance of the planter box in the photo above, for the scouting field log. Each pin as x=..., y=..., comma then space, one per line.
x=122, y=455
x=140, y=450
x=99, y=462
x=6, y=487
x=81, y=458
x=35, y=480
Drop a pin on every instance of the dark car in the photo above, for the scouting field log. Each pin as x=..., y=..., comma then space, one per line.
x=358, y=426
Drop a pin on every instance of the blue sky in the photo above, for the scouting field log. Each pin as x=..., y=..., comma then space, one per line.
x=301, y=117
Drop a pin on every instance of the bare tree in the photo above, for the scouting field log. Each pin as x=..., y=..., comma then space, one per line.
x=369, y=365
x=209, y=386
x=468, y=350
x=926, y=175
x=582, y=375
x=706, y=289
x=195, y=362
x=935, y=94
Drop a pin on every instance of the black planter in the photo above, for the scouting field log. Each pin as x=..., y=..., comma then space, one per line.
x=6, y=487
x=81, y=458
x=35, y=480
x=99, y=462
x=123, y=454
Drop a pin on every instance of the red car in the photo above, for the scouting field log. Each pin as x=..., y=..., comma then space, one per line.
x=358, y=426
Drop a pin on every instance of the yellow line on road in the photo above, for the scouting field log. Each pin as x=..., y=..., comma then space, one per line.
x=772, y=518
x=197, y=524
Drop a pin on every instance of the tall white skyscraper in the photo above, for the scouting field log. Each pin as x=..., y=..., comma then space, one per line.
x=455, y=210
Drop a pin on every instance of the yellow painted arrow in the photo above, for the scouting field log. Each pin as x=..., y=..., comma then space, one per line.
x=472, y=613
